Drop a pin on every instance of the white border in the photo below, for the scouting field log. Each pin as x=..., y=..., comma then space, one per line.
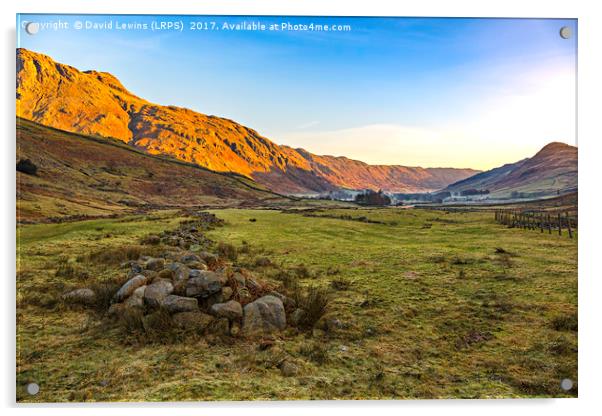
x=590, y=119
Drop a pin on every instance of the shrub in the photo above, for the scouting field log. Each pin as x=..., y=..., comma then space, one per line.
x=27, y=166
x=315, y=304
x=288, y=280
x=244, y=248
x=131, y=320
x=68, y=270
x=228, y=251
x=315, y=351
x=104, y=292
x=302, y=271
x=565, y=323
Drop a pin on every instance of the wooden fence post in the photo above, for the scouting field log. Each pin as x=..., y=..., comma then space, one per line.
x=559, y=224
x=568, y=224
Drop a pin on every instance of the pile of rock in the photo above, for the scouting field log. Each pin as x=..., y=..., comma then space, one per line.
x=189, y=234
x=196, y=297
x=195, y=287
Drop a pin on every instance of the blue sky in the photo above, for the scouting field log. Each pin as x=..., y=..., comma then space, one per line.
x=412, y=91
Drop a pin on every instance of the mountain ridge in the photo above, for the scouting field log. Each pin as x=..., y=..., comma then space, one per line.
x=97, y=103
x=552, y=170
x=78, y=175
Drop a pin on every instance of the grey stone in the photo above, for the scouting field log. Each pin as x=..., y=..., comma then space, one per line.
x=136, y=299
x=289, y=303
x=199, y=265
x=231, y=310
x=82, y=296
x=128, y=288
x=175, y=304
x=208, y=258
x=157, y=291
x=190, y=257
x=203, y=283
x=263, y=316
x=155, y=264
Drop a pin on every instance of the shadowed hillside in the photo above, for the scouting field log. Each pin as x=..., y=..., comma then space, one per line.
x=79, y=175
x=552, y=170
x=92, y=102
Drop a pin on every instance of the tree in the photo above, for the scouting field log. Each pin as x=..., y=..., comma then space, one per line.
x=373, y=198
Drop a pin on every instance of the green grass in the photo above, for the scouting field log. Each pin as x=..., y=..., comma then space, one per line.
x=424, y=312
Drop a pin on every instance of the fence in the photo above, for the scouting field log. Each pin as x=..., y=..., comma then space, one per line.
x=545, y=221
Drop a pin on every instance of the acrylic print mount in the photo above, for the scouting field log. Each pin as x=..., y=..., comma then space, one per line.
x=294, y=208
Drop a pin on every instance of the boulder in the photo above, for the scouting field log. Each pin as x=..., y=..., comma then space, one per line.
x=199, y=265
x=190, y=257
x=231, y=310
x=197, y=320
x=157, y=291
x=209, y=258
x=150, y=274
x=289, y=303
x=83, y=296
x=133, y=265
x=207, y=303
x=181, y=272
x=155, y=264
x=166, y=274
x=136, y=299
x=175, y=304
x=128, y=288
x=263, y=316
x=203, y=283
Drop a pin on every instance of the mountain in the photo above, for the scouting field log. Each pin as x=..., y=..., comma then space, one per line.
x=96, y=103
x=88, y=176
x=551, y=171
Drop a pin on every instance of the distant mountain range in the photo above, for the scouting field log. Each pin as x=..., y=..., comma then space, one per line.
x=551, y=171
x=96, y=103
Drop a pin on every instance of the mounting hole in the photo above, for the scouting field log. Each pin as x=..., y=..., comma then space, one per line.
x=32, y=28
x=565, y=32
x=33, y=388
x=566, y=384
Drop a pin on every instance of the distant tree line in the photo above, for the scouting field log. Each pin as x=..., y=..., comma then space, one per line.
x=473, y=192
x=373, y=198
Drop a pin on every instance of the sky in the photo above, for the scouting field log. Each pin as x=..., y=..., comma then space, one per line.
x=430, y=92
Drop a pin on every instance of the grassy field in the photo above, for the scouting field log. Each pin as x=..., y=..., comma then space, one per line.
x=424, y=304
